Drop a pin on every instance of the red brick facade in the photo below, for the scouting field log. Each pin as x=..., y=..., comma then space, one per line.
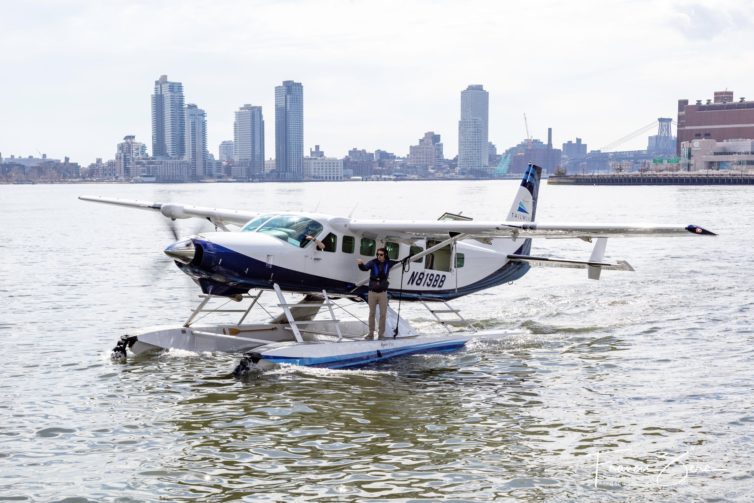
x=717, y=121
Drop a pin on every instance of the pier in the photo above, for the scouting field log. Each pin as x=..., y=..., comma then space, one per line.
x=671, y=178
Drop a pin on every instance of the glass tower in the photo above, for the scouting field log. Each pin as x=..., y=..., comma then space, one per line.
x=472, y=130
x=168, y=121
x=248, y=144
x=289, y=130
x=196, y=141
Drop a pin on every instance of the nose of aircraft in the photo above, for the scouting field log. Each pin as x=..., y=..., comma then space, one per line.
x=183, y=251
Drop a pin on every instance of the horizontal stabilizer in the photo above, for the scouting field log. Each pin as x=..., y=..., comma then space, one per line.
x=621, y=265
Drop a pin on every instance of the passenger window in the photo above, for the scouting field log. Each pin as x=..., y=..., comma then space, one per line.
x=368, y=247
x=414, y=250
x=392, y=250
x=459, y=260
x=330, y=242
x=348, y=244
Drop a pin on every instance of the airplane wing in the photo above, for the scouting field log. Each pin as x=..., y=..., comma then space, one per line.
x=217, y=216
x=415, y=229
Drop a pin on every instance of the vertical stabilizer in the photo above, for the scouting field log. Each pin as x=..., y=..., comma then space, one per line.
x=524, y=206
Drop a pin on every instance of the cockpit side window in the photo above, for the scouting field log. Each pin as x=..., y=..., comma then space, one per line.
x=292, y=229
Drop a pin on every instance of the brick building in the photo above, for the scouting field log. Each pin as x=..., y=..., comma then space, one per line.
x=718, y=119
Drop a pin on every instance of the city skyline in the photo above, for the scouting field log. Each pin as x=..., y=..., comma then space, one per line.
x=376, y=76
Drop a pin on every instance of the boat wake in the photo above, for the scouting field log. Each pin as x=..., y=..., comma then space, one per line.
x=544, y=329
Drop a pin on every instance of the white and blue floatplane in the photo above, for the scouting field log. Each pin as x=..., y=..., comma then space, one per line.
x=314, y=255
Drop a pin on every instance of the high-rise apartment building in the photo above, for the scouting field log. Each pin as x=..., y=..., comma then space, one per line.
x=248, y=144
x=128, y=152
x=289, y=130
x=473, y=130
x=196, y=141
x=168, y=120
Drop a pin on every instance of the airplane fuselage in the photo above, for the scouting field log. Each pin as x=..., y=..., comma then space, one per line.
x=228, y=263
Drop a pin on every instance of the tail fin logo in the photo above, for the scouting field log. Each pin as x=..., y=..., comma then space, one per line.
x=522, y=208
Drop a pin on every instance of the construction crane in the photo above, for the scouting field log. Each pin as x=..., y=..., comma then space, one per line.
x=528, y=136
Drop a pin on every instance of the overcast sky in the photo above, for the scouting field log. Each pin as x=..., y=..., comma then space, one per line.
x=77, y=75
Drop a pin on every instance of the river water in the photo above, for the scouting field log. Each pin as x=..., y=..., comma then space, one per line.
x=636, y=387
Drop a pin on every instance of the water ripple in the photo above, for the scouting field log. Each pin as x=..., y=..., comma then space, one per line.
x=638, y=377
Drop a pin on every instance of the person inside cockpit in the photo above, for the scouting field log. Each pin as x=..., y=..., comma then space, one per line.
x=310, y=234
x=320, y=245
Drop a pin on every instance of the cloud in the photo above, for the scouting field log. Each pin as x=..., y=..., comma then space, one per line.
x=698, y=22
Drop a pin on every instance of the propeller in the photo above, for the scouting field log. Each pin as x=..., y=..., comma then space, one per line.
x=162, y=264
x=173, y=228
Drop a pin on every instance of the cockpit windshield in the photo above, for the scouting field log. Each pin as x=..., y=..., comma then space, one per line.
x=292, y=229
x=253, y=225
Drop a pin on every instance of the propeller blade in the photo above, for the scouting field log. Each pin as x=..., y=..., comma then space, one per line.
x=173, y=229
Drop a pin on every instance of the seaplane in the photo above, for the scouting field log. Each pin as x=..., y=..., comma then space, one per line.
x=314, y=256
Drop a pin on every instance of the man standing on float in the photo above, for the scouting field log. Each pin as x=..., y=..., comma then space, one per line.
x=379, y=268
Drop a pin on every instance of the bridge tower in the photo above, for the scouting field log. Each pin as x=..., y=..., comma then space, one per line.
x=663, y=144
x=665, y=139
x=663, y=131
